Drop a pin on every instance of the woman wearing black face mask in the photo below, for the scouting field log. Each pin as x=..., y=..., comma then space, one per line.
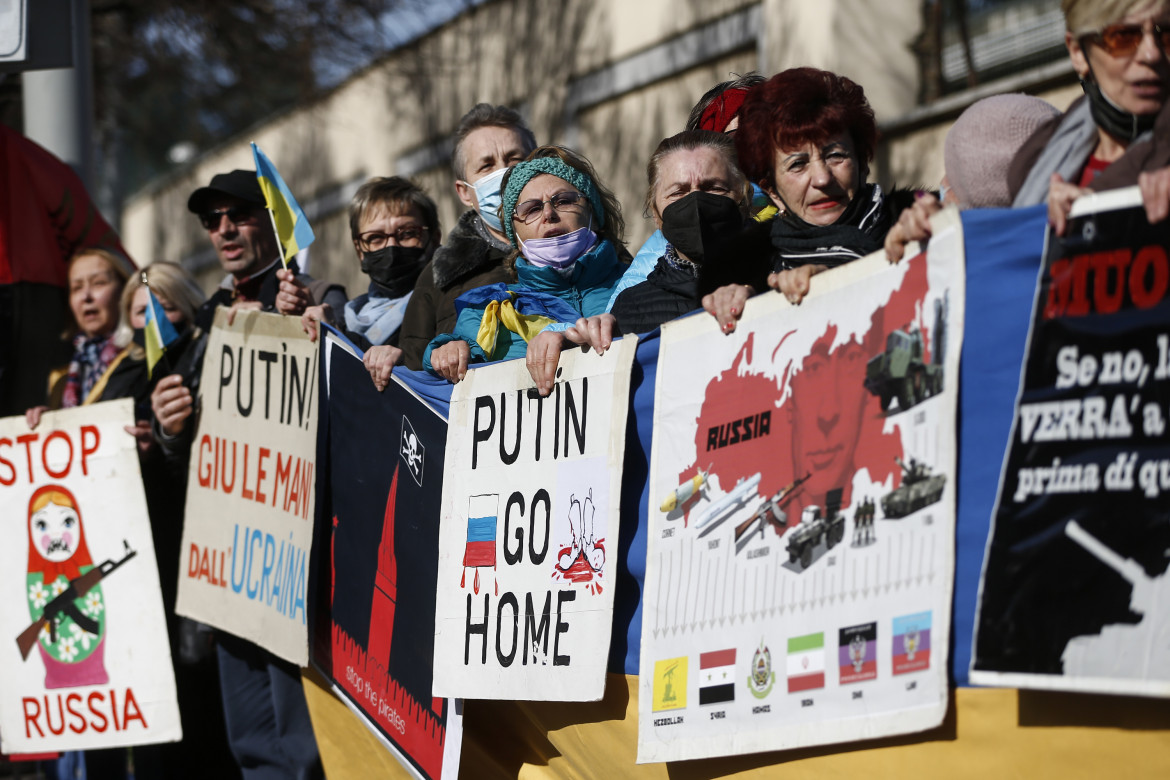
x=395, y=230
x=699, y=198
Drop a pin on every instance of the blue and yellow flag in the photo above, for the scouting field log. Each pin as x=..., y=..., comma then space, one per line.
x=159, y=332
x=292, y=226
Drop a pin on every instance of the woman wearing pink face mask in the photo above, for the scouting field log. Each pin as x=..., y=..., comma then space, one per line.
x=566, y=232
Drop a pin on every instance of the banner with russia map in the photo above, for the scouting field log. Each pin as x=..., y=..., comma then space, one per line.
x=802, y=514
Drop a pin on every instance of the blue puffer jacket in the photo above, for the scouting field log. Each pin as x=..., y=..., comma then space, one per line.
x=586, y=289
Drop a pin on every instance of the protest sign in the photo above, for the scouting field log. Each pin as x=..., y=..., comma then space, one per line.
x=1075, y=582
x=801, y=514
x=250, y=489
x=529, y=530
x=381, y=466
x=85, y=662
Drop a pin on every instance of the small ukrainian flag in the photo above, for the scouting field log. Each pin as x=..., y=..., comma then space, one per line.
x=292, y=226
x=159, y=332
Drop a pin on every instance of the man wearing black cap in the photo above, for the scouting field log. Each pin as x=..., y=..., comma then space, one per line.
x=233, y=212
x=267, y=719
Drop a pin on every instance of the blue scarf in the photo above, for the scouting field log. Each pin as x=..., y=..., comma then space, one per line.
x=378, y=318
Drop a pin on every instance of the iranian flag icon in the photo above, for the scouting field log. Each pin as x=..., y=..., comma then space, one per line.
x=806, y=662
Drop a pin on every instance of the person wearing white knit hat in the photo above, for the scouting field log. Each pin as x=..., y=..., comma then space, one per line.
x=977, y=155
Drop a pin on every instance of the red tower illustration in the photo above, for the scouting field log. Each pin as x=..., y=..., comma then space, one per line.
x=385, y=585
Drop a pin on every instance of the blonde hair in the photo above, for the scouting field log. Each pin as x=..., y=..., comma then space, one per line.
x=1082, y=17
x=169, y=281
x=119, y=267
x=50, y=497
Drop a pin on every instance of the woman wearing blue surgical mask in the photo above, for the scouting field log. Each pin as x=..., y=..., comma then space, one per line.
x=566, y=230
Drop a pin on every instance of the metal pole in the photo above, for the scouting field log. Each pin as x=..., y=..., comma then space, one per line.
x=58, y=103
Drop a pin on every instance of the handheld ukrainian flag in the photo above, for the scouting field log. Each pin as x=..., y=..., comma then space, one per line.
x=291, y=224
x=160, y=333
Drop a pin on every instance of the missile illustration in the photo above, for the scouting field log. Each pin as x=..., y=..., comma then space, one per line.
x=744, y=490
x=683, y=493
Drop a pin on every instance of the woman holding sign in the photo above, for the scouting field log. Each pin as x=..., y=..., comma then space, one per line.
x=566, y=231
x=1119, y=51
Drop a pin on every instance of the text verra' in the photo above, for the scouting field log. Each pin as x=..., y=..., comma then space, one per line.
x=1074, y=419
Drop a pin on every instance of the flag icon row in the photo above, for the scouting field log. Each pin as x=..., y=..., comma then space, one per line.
x=805, y=664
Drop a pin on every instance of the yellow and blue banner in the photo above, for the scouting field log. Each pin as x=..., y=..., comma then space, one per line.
x=292, y=226
x=159, y=331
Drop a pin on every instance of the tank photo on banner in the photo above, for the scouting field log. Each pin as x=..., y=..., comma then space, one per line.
x=85, y=661
x=1076, y=578
x=802, y=513
x=373, y=592
x=529, y=531
x=250, y=494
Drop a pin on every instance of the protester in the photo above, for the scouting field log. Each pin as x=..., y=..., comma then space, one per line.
x=232, y=211
x=203, y=750
x=566, y=228
x=489, y=140
x=1118, y=49
x=977, y=156
x=717, y=111
x=96, y=278
x=98, y=371
x=395, y=231
x=267, y=720
x=699, y=199
x=806, y=136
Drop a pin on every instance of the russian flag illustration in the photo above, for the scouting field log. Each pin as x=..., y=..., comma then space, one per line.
x=481, y=533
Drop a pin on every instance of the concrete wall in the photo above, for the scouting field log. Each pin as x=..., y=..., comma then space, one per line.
x=610, y=78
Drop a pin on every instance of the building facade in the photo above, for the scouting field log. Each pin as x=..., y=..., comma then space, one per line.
x=611, y=79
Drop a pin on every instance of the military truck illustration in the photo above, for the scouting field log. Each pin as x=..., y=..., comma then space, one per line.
x=901, y=371
x=919, y=488
x=816, y=526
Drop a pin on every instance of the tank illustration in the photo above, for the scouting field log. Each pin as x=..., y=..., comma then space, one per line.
x=1123, y=650
x=918, y=489
x=816, y=526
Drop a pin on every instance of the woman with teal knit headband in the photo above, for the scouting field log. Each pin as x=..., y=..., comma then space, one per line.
x=566, y=231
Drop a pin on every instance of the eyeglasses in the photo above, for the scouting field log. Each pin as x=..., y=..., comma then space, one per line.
x=237, y=215
x=1122, y=40
x=407, y=235
x=529, y=210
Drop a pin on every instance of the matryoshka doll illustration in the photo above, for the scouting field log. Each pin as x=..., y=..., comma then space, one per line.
x=58, y=554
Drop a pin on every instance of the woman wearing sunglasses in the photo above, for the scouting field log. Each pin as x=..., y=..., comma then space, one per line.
x=1119, y=51
x=566, y=231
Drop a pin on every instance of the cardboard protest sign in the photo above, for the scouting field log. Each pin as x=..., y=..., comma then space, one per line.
x=85, y=661
x=381, y=466
x=802, y=505
x=528, y=536
x=250, y=489
x=1075, y=584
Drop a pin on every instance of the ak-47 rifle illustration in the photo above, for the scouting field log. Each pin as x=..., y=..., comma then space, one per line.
x=770, y=511
x=62, y=605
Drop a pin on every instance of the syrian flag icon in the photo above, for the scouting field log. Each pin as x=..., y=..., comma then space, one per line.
x=717, y=676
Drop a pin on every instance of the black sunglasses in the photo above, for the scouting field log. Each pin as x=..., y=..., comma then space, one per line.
x=237, y=215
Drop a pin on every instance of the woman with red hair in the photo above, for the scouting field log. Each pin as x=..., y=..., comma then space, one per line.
x=806, y=137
